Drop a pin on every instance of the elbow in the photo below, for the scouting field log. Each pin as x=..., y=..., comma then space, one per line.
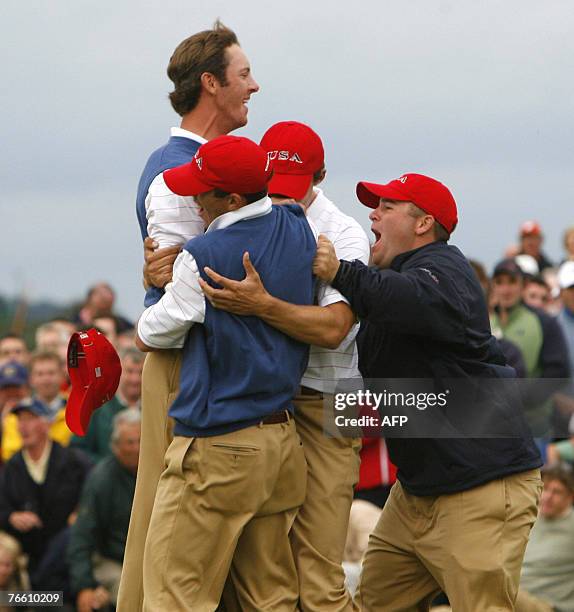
x=142, y=346
x=331, y=339
x=332, y=335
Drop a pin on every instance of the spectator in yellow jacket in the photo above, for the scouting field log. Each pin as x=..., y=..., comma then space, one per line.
x=46, y=376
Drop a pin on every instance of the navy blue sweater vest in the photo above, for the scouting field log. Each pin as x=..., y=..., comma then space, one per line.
x=177, y=151
x=238, y=369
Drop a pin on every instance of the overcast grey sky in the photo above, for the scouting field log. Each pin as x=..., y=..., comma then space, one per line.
x=478, y=94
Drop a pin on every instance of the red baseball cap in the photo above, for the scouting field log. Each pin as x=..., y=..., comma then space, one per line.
x=94, y=369
x=296, y=153
x=231, y=163
x=427, y=193
x=530, y=228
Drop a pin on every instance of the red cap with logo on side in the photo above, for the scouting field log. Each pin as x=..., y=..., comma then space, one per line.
x=94, y=369
x=230, y=163
x=427, y=193
x=296, y=153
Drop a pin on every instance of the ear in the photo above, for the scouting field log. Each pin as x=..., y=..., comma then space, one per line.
x=208, y=82
x=424, y=224
x=235, y=201
x=321, y=177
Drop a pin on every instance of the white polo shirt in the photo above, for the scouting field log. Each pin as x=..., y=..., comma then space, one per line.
x=327, y=366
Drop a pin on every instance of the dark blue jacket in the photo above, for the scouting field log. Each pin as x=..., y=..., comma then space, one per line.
x=426, y=317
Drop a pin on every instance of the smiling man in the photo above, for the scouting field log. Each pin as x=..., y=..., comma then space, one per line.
x=459, y=516
x=212, y=86
x=546, y=583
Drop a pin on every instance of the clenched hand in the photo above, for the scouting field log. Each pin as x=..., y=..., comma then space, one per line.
x=326, y=264
x=158, y=267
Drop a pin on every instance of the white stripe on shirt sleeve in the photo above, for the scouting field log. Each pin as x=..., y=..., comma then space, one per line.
x=171, y=219
x=165, y=324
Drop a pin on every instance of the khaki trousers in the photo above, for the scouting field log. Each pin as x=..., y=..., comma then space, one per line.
x=469, y=544
x=320, y=530
x=160, y=385
x=226, y=503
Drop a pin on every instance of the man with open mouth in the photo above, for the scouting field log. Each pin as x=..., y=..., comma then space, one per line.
x=459, y=516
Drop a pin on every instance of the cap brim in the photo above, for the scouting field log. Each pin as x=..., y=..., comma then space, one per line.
x=12, y=383
x=184, y=181
x=79, y=409
x=511, y=273
x=18, y=409
x=369, y=194
x=292, y=185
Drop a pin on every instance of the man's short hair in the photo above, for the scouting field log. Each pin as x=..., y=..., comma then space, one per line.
x=41, y=355
x=202, y=52
x=249, y=197
x=12, y=336
x=561, y=472
x=317, y=175
x=111, y=318
x=129, y=416
x=535, y=279
x=52, y=327
x=94, y=288
x=133, y=354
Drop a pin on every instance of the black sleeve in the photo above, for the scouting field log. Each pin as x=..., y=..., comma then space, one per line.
x=417, y=301
x=513, y=356
x=552, y=361
x=554, y=352
x=82, y=459
x=6, y=505
x=84, y=536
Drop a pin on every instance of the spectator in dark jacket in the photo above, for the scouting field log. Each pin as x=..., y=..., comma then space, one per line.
x=511, y=352
x=39, y=491
x=98, y=537
x=459, y=516
x=540, y=339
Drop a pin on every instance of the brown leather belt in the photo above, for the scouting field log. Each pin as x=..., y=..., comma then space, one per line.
x=276, y=417
x=308, y=391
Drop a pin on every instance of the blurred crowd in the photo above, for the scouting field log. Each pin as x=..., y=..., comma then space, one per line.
x=65, y=501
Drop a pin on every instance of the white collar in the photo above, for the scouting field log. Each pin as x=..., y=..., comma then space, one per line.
x=43, y=458
x=318, y=204
x=123, y=401
x=177, y=131
x=249, y=211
